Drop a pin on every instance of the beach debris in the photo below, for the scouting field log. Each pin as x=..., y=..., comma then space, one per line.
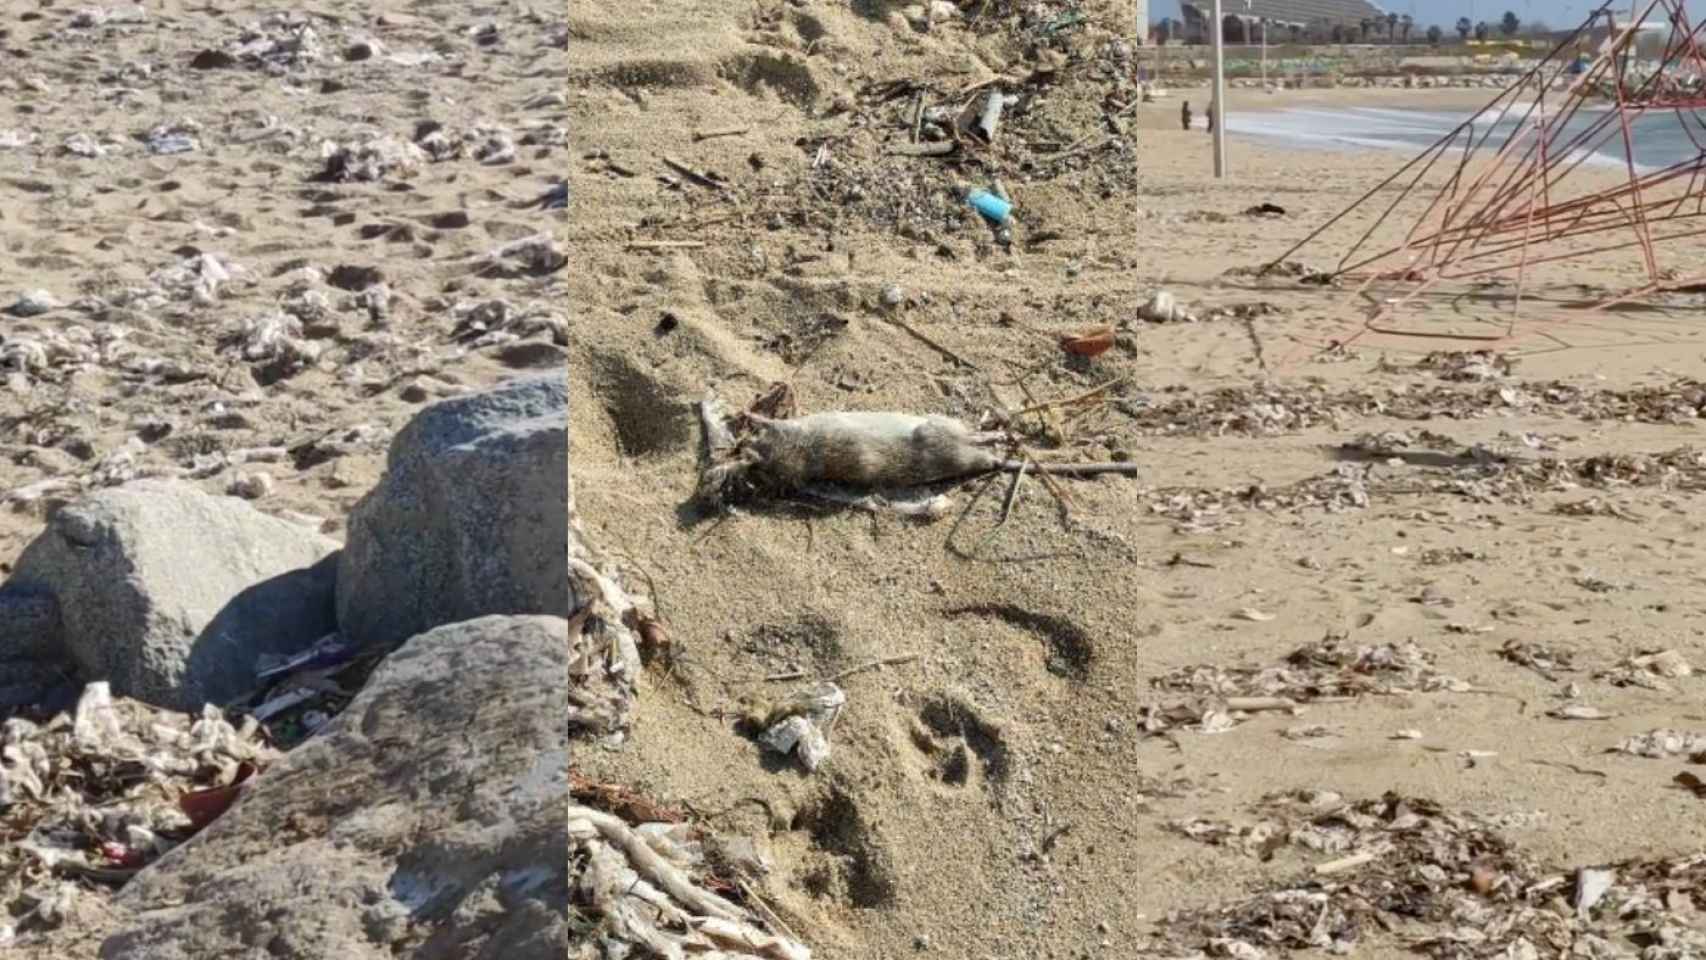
x=1328, y=669
x=1254, y=615
x=369, y=158
x=800, y=725
x=996, y=210
x=1162, y=307
x=1664, y=744
x=1579, y=711
x=1467, y=366
x=93, y=794
x=1089, y=343
x=532, y=256
x=642, y=884
x=989, y=120
x=1538, y=657
x=175, y=137
x=1265, y=209
x=1463, y=889
x=84, y=145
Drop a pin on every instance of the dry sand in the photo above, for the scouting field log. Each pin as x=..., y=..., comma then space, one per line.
x=290, y=362
x=140, y=379
x=996, y=797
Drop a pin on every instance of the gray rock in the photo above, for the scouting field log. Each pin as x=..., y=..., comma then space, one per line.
x=470, y=518
x=171, y=594
x=426, y=820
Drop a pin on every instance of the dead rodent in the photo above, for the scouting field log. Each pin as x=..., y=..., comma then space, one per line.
x=881, y=450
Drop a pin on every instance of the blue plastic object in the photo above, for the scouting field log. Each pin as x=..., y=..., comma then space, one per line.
x=993, y=208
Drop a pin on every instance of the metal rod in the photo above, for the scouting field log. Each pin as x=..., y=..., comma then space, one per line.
x=1217, y=105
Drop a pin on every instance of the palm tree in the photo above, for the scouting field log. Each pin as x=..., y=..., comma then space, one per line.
x=1482, y=30
x=1391, y=27
x=1408, y=23
x=1366, y=25
x=1465, y=27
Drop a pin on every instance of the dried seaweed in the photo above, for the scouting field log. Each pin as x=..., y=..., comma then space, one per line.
x=1405, y=871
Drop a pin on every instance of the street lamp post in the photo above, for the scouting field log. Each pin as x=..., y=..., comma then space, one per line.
x=1218, y=102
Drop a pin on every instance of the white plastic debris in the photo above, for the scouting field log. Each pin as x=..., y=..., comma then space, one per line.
x=1592, y=884
x=801, y=725
x=84, y=145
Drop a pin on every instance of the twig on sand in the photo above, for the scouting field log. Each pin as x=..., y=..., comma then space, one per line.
x=694, y=175
x=1345, y=863
x=665, y=244
x=932, y=344
x=712, y=134
x=872, y=665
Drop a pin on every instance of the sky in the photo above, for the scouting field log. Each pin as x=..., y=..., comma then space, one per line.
x=1559, y=14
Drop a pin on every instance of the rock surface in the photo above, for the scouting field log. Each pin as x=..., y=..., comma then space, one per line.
x=170, y=593
x=426, y=820
x=469, y=519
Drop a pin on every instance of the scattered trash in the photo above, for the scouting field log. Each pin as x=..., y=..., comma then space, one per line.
x=1326, y=670
x=1577, y=711
x=1163, y=308
x=1408, y=734
x=997, y=211
x=202, y=807
x=1089, y=343
x=648, y=883
x=1254, y=615
x=1265, y=210
x=92, y=794
x=1663, y=744
x=801, y=724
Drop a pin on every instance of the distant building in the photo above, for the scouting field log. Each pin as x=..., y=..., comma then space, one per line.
x=1285, y=18
x=1142, y=21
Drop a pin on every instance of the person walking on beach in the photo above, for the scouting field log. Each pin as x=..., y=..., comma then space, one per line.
x=1185, y=115
x=1210, y=116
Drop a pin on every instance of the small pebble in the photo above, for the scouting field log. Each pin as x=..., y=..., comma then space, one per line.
x=34, y=303
x=252, y=486
x=893, y=296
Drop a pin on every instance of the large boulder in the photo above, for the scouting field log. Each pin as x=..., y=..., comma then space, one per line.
x=426, y=820
x=171, y=594
x=469, y=519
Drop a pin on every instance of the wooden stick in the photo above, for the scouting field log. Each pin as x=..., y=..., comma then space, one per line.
x=694, y=175
x=944, y=351
x=1072, y=401
x=939, y=148
x=1345, y=863
x=872, y=665
x=1260, y=704
x=712, y=134
x=1082, y=146
x=666, y=244
x=651, y=865
x=917, y=116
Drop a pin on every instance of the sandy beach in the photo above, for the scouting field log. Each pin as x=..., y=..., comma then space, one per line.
x=1015, y=790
